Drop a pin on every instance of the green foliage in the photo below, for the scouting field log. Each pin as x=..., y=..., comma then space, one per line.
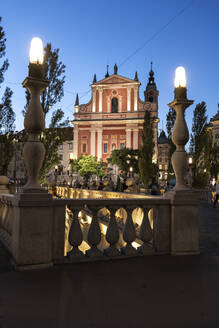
x=147, y=169
x=54, y=72
x=87, y=166
x=7, y=116
x=124, y=159
x=5, y=64
x=201, y=147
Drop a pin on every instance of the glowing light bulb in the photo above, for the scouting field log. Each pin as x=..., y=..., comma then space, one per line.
x=190, y=160
x=36, y=51
x=180, y=77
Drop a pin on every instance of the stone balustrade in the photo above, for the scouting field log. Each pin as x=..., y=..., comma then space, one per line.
x=66, y=192
x=92, y=233
x=43, y=231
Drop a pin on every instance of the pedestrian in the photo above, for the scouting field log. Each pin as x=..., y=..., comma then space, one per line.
x=154, y=187
x=217, y=193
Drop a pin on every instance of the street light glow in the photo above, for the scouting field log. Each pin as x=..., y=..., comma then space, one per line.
x=180, y=77
x=36, y=51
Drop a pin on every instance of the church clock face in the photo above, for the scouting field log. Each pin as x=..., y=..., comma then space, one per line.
x=83, y=109
x=147, y=106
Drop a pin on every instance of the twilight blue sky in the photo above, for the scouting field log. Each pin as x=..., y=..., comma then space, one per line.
x=92, y=34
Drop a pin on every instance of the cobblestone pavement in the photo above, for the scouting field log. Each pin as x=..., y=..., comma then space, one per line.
x=209, y=229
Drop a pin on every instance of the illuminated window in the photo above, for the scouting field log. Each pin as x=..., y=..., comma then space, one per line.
x=160, y=167
x=105, y=148
x=114, y=105
x=84, y=148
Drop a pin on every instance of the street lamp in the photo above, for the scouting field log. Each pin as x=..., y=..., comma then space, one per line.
x=190, y=161
x=34, y=122
x=131, y=170
x=56, y=173
x=180, y=135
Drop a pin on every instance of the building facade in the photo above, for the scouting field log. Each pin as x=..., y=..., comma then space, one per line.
x=163, y=156
x=214, y=123
x=114, y=116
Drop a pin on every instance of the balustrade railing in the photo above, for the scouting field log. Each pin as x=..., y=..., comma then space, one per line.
x=6, y=220
x=112, y=228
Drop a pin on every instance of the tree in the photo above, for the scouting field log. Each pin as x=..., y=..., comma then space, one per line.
x=147, y=168
x=54, y=71
x=7, y=115
x=170, y=120
x=124, y=159
x=200, y=141
x=87, y=166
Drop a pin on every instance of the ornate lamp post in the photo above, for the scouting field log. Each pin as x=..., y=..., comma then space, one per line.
x=34, y=121
x=180, y=135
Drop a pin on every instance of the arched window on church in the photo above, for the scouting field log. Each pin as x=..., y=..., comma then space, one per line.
x=113, y=146
x=114, y=105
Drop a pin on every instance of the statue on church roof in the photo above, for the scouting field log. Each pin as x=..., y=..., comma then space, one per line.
x=95, y=78
x=107, y=73
x=115, y=69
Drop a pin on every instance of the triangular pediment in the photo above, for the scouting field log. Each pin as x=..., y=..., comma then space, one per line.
x=116, y=79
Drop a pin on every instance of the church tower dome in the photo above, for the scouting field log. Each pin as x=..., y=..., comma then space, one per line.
x=151, y=92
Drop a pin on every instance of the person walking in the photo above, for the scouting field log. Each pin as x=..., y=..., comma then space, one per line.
x=217, y=193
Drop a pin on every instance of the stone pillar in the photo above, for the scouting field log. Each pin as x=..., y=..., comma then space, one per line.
x=135, y=139
x=93, y=142
x=94, y=100
x=128, y=99
x=128, y=138
x=4, y=182
x=100, y=99
x=135, y=99
x=184, y=203
x=75, y=142
x=99, y=144
x=34, y=124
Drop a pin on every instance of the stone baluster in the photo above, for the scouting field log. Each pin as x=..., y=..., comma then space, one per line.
x=34, y=124
x=180, y=136
x=112, y=235
x=94, y=235
x=75, y=236
x=129, y=234
x=146, y=234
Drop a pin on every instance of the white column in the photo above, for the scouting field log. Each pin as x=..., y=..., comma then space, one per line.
x=128, y=99
x=92, y=142
x=75, y=142
x=108, y=104
x=135, y=139
x=100, y=99
x=94, y=100
x=99, y=144
x=128, y=138
x=120, y=103
x=135, y=99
